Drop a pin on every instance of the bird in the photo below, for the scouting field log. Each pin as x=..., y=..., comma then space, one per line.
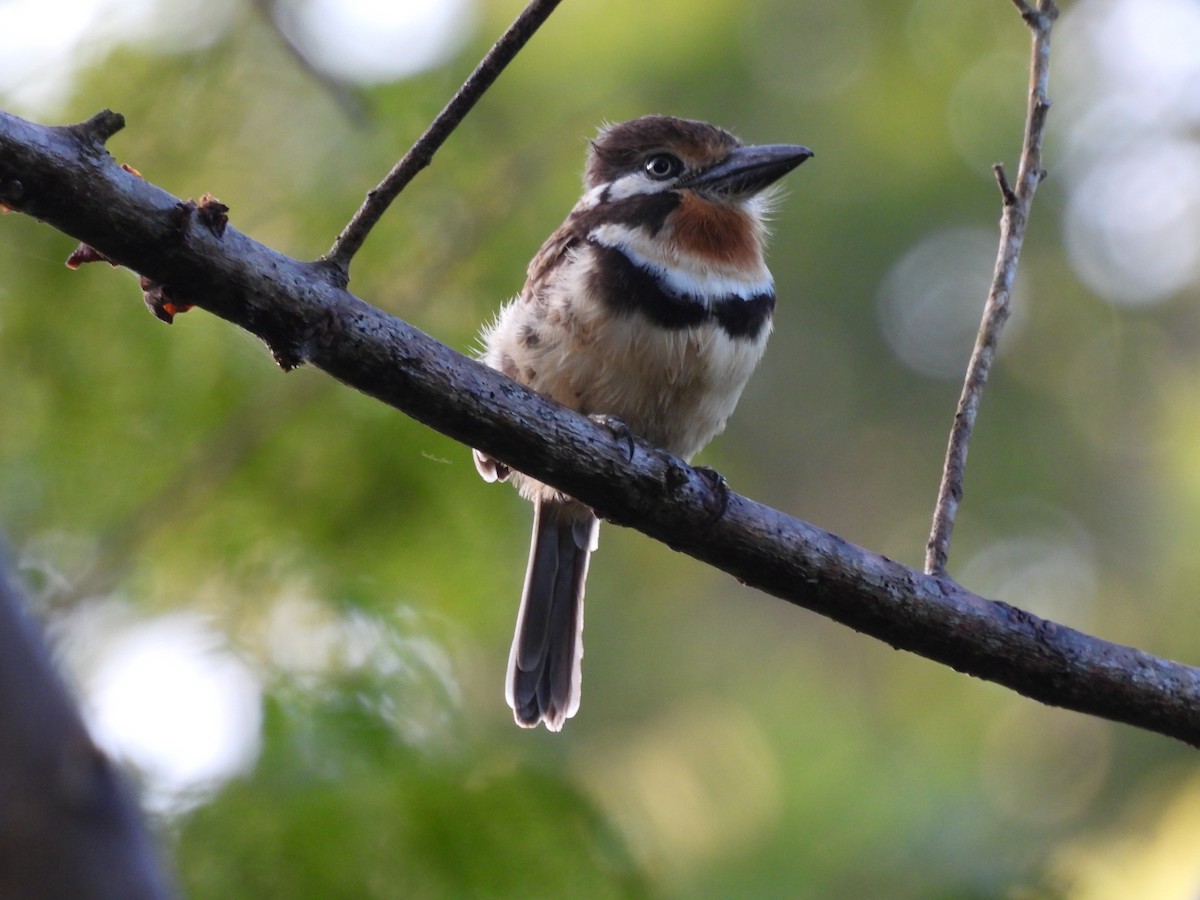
x=648, y=309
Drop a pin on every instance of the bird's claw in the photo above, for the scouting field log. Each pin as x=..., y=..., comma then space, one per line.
x=716, y=501
x=618, y=429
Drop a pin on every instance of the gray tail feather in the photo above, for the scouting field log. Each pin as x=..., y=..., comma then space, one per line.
x=544, y=666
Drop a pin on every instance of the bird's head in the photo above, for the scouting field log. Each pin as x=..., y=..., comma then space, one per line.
x=657, y=154
x=692, y=188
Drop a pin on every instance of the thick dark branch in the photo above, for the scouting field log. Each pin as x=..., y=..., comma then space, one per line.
x=1013, y=221
x=421, y=153
x=68, y=825
x=304, y=316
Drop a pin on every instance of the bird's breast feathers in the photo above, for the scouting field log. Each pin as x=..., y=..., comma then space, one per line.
x=662, y=344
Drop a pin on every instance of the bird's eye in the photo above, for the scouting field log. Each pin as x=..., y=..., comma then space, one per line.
x=661, y=166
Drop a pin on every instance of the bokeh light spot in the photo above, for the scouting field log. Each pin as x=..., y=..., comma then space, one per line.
x=169, y=698
x=931, y=300
x=1131, y=89
x=1133, y=223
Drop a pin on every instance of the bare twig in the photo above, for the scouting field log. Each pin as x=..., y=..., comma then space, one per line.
x=45, y=173
x=421, y=153
x=1013, y=221
x=1006, y=191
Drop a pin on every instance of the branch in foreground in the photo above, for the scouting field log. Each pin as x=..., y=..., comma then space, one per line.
x=68, y=825
x=1017, y=204
x=304, y=315
x=421, y=153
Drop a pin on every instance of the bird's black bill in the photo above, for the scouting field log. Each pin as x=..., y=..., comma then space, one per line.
x=749, y=169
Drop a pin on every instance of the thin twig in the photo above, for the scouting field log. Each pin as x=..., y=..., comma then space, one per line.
x=1013, y=221
x=1028, y=13
x=421, y=154
x=1006, y=191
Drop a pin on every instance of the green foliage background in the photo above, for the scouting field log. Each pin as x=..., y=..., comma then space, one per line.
x=728, y=745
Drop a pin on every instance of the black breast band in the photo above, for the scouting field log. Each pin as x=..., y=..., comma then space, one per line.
x=629, y=288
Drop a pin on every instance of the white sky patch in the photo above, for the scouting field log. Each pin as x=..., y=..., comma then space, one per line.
x=48, y=42
x=41, y=40
x=167, y=696
x=374, y=41
x=170, y=698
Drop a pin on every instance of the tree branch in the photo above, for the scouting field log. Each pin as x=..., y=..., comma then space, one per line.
x=1013, y=220
x=68, y=825
x=305, y=316
x=421, y=153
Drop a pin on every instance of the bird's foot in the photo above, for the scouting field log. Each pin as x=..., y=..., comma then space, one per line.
x=618, y=429
x=716, y=501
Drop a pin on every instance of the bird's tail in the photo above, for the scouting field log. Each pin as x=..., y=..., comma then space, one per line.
x=544, y=666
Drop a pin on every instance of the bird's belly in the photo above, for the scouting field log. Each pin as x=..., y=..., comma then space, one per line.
x=674, y=387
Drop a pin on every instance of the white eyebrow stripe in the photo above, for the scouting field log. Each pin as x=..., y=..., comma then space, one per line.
x=636, y=183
